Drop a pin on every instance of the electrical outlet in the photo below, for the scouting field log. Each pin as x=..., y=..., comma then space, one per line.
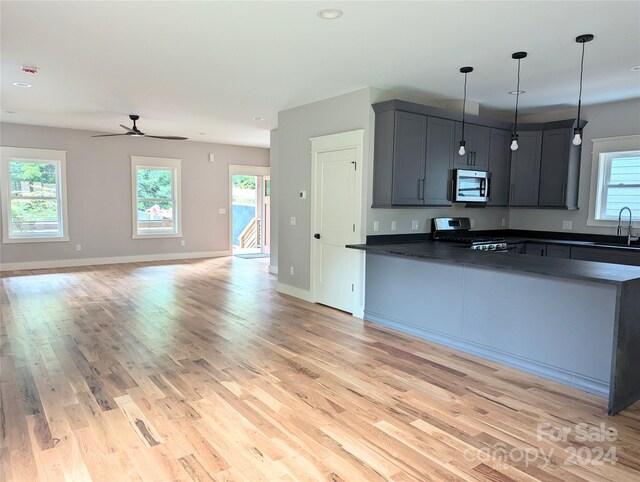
x=222, y=211
x=293, y=221
x=472, y=222
x=183, y=242
x=567, y=224
x=504, y=222
x=394, y=225
x=414, y=225
x=376, y=226
x=78, y=247
x=291, y=270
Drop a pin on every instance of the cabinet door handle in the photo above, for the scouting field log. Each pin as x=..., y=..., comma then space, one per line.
x=511, y=193
x=564, y=187
x=451, y=194
x=473, y=158
x=422, y=189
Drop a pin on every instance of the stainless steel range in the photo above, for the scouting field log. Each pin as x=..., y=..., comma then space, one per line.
x=457, y=230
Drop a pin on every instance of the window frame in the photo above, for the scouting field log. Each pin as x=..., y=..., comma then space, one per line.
x=31, y=155
x=174, y=165
x=603, y=151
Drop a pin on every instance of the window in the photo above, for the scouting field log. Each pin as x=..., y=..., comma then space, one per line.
x=34, y=198
x=616, y=172
x=156, y=197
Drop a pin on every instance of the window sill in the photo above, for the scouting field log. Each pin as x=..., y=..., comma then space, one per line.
x=6, y=240
x=610, y=223
x=154, y=236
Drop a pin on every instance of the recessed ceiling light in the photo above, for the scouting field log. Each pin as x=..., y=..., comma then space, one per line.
x=9, y=111
x=635, y=69
x=329, y=13
x=517, y=92
x=202, y=133
x=21, y=84
x=257, y=118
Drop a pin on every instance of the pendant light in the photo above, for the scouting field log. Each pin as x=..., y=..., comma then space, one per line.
x=465, y=71
x=514, y=135
x=577, y=131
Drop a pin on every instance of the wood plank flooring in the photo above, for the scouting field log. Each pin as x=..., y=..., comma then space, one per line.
x=201, y=371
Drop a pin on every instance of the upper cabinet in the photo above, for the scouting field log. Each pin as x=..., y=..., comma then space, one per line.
x=412, y=160
x=476, y=146
x=559, y=170
x=525, y=169
x=416, y=151
x=499, y=167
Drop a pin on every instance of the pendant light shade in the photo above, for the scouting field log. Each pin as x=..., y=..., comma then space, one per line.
x=514, y=135
x=465, y=71
x=577, y=131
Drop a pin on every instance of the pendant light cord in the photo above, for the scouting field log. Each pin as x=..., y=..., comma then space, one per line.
x=580, y=94
x=515, y=122
x=464, y=104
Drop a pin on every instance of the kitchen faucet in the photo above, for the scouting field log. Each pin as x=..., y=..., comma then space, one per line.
x=619, y=232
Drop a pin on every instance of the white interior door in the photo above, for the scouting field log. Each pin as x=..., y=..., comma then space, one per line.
x=336, y=224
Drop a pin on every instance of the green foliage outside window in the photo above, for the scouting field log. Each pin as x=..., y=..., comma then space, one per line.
x=33, y=179
x=154, y=184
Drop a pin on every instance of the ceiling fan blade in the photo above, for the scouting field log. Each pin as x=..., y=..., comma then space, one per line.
x=110, y=135
x=171, y=138
x=128, y=129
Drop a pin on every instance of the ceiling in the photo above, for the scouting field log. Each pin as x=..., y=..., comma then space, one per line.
x=205, y=69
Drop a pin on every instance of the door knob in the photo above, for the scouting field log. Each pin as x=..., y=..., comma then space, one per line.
x=317, y=235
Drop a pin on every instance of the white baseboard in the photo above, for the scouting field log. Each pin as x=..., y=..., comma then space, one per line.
x=273, y=269
x=66, y=263
x=295, y=292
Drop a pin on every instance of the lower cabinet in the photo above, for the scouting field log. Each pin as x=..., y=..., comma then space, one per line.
x=604, y=255
x=535, y=249
x=558, y=251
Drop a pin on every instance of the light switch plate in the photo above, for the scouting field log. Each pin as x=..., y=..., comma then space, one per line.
x=222, y=211
x=394, y=225
x=567, y=224
x=293, y=220
x=212, y=158
x=376, y=226
x=415, y=225
x=472, y=222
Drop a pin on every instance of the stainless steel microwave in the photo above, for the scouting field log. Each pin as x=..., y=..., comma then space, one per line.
x=471, y=186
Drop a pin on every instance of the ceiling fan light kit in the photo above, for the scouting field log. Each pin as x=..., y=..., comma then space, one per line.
x=135, y=132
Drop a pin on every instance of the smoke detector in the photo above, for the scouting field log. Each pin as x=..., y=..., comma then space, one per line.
x=31, y=70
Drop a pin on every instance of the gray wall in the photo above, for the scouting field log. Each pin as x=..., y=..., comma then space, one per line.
x=273, y=163
x=604, y=120
x=295, y=127
x=99, y=193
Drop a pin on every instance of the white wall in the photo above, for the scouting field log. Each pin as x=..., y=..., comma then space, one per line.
x=605, y=120
x=99, y=193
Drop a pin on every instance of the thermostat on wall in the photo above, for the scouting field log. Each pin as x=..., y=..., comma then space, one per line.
x=302, y=194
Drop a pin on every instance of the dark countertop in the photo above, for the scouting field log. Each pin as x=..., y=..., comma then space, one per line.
x=562, y=268
x=566, y=242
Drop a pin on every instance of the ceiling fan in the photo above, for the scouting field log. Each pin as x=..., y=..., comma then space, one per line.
x=135, y=132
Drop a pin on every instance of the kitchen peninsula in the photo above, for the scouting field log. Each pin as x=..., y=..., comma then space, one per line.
x=574, y=321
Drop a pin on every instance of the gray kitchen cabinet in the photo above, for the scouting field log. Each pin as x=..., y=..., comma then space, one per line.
x=558, y=251
x=525, y=169
x=477, y=140
x=516, y=248
x=604, y=255
x=535, y=249
x=559, y=170
x=439, y=161
x=499, y=167
x=409, y=153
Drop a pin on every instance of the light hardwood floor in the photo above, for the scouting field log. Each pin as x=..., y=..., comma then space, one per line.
x=200, y=370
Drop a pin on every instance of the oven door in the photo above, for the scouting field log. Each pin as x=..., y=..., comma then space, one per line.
x=472, y=186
